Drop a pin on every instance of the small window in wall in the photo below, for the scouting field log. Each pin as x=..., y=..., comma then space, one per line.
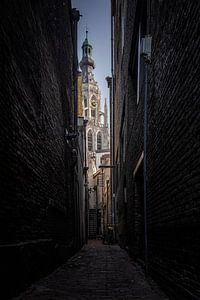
x=99, y=141
x=93, y=113
x=86, y=112
x=90, y=142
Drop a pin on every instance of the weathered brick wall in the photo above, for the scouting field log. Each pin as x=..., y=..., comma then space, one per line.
x=173, y=208
x=37, y=211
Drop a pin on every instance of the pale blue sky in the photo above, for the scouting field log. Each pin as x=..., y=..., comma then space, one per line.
x=96, y=16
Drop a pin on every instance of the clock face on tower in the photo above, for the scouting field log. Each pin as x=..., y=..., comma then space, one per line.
x=93, y=102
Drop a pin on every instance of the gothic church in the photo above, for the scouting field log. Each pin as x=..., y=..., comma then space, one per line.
x=97, y=132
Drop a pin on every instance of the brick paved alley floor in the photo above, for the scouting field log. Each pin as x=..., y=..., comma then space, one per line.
x=96, y=272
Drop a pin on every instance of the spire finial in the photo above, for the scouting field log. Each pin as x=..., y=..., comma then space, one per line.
x=86, y=31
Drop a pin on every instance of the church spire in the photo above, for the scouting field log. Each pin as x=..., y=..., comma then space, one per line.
x=86, y=47
x=87, y=63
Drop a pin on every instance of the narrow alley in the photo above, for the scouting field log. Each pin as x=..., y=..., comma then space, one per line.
x=100, y=149
x=98, y=271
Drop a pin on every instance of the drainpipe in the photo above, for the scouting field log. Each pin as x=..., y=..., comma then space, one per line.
x=107, y=197
x=145, y=170
x=113, y=124
x=96, y=195
x=102, y=201
x=75, y=19
x=86, y=181
x=109, y=82
x=146, y=52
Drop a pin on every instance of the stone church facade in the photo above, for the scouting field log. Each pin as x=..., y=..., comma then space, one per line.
x=97, y=135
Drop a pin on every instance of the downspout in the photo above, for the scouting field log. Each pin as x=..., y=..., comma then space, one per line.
x=109, y=82
x=75, y=18
x=147, y=61
x=86, y=181
x=96, y=195
x=107, y=197
x=145, y=169
x=113, y=124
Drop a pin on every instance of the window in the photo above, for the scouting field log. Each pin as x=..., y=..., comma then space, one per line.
x=90, y=142
x=86, y=112
x=99, y=141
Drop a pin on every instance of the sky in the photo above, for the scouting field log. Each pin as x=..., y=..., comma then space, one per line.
x=96, y=17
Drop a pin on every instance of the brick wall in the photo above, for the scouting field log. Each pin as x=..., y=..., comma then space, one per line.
x=37, y=210
x=173, y=184
x=173, y=188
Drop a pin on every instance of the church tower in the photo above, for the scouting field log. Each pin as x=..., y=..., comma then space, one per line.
x=87, y=63
x=97, y=133
x=90, y=91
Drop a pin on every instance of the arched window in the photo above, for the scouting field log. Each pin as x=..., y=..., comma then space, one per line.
x=99, y=141
x=90, y=142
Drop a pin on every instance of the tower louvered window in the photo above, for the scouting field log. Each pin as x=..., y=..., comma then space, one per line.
x=99, y=141
x=85, y=102
x=90, y=142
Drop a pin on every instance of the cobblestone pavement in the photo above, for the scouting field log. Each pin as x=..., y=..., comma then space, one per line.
x=96, y=272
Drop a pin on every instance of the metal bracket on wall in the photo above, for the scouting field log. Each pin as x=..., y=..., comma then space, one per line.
x=70, y=135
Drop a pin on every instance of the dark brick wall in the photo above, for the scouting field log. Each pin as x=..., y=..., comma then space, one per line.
x=174, y=146
x=173, y=190
x=37, y=210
